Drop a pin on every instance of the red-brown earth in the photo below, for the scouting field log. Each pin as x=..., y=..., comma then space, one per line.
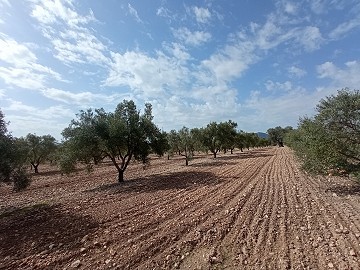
x=250, y=210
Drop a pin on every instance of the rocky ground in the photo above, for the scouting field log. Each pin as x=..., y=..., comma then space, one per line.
x=251, y=210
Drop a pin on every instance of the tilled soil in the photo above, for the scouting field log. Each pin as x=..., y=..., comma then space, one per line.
x=251, y=210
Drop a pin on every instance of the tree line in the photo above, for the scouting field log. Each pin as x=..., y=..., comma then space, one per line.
x=329, y=142
x=121, y=136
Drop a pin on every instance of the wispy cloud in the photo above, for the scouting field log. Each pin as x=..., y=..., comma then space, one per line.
x=340, y=78
x=296, y=72
x=149, y=75
x=195, y=38
x=202, y=15
x=74, y=43
x=23, y=69
x=344, y=28
x=133, y=12
x=81, y=98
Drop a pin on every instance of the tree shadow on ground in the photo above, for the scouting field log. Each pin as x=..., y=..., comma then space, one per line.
x=345, y=189
x=156, y=182
x=40, y=229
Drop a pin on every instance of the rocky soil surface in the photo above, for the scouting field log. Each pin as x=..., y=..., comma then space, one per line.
x=250, y=210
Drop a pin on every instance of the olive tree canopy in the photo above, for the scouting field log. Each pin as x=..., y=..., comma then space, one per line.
x=120, y=136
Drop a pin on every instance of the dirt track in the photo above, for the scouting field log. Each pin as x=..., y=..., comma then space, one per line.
x=251, y=210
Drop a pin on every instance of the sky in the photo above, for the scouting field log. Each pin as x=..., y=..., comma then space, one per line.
x=259, y=63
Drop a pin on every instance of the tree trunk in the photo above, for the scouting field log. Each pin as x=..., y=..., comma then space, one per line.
x=231, y=150
x=121, y=176
x=186, y=161
x=214, y=154
x=36, y=168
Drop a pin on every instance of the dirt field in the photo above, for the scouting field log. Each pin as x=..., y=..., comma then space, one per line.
x=251, y=210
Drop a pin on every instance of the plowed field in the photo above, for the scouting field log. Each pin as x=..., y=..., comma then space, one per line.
x=250, y=210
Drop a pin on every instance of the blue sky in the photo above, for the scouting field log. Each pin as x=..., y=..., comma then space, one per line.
x=258, y=63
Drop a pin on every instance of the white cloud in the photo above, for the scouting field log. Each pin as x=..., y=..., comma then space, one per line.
x=163, y=12
x=231, y=61
x=341, y=78
x=75, y=43
x=296, y=72
x=146, y=74
x=277, y=86
x=310, y=37
x=195, y=38
x=290, y=8
x=202, y=15
x=344, y=28
x=80, y=47
x=14, y=53
x=56, y=11
x=23, y=70
x=134, y=13
x=22, y=77
x=82, y=98
x=178, y=51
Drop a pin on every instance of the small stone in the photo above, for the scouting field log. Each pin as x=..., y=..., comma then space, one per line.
x=303, y=228
x=332, y=244
x=51, y=246
x=82, y=250
x=107, y=261
x=315, y=245
x=97, y=244
x=84, y=239
x=330, y=265
x=76, y=264
x=352, y=253
x=112, y=252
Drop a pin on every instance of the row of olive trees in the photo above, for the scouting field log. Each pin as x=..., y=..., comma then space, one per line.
x=213, y=138
x=121, y=136
x=126, y=134
x=330, y=141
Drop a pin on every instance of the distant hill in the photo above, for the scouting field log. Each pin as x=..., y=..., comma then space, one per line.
x=263, y=135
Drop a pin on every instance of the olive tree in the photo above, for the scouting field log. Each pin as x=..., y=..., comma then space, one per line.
x=11, y=164
x=182, y=142
x=277, y=134
x=38, y=148
x=211, y=138
x=121, y=136
x=331, y=139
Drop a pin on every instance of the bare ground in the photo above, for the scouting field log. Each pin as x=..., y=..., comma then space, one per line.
x=251, y=210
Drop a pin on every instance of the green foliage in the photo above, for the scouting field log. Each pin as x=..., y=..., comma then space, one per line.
x=277, y=134
x=211, y=138
x=185, y=144
x=11, y=161
x=20, y=179
x=120, y=136
x=330, y=142
x=36, y=149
